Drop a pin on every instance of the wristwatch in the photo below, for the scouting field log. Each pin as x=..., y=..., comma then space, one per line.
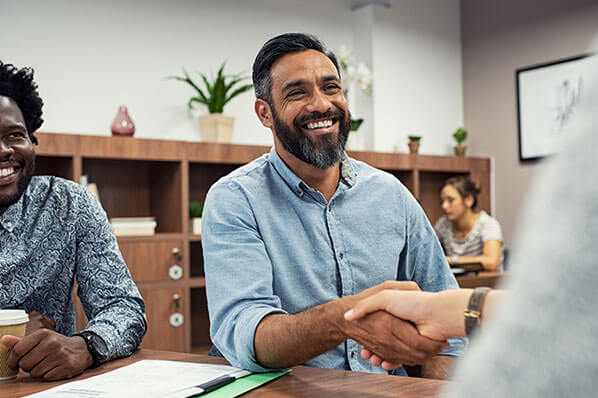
x=473, y=312
x=96, y=347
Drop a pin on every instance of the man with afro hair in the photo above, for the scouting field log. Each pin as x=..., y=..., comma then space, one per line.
x=53, y=231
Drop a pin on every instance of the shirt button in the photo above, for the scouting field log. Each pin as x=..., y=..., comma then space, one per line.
x=1, y=285
x=9, y=224
x=341, y=255
x=352, y=354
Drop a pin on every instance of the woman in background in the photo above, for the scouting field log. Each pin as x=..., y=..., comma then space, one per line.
x=467, y=236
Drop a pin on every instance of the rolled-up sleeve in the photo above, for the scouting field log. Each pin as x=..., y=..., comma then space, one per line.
x=238, y=274
x=110, y=298
x=425, y=261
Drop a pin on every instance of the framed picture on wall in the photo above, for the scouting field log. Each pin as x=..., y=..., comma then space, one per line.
x=548, y=96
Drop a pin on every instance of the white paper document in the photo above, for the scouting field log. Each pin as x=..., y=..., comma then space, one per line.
x=147, y=378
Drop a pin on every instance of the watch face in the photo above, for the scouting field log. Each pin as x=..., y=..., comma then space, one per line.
x=99, y=346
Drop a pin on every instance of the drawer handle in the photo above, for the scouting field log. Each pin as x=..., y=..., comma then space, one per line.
x=176, y=319
x=177, y=300
x=175, y=272
x=176, y=252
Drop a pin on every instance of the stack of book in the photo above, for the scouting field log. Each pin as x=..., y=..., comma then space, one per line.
x=133, y=226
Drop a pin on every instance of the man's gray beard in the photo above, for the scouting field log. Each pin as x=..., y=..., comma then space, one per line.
x=323, y=154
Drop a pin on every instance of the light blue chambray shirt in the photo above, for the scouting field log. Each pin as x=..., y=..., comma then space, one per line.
x=272, y=244
x=56, y=232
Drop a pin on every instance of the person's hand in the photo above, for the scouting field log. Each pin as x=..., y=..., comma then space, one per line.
x=387, y=285
x=48, y=355
x=437, y=315
x=434, y=316
x=395, y=340
x=39, y=321
x=389, y=337
x=376, y=360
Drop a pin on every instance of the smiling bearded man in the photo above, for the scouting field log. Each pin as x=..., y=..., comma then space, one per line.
x=295, y=238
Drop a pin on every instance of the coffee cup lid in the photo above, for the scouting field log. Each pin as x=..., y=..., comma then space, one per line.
x=13, y=317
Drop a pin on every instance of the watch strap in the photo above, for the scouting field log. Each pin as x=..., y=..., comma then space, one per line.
x=95, y=355
x=473, y=313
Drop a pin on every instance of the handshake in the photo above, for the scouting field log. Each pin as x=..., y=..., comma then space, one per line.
x=398, y=324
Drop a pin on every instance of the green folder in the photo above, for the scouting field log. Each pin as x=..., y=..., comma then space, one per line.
x=244, y=384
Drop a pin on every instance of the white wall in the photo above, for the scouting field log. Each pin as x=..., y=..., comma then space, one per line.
x=92, y=56
x=417, y=74
x=498, y=38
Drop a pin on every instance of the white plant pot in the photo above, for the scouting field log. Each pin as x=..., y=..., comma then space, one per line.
x=216, y=127
x=196, y=225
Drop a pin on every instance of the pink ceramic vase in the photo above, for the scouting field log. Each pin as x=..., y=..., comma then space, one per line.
x=122, y=124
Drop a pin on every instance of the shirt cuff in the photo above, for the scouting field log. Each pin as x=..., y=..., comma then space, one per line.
x=457, y=348
x=246, y=358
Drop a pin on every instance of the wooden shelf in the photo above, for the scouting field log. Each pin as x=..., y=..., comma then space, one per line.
x=194, y=237
x=146, y=177
x=197, y=282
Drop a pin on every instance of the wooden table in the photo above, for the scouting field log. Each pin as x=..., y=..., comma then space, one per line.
x=303, y=381
x=475, y=279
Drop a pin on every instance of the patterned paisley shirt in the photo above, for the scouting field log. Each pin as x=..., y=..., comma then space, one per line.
x=57, y=232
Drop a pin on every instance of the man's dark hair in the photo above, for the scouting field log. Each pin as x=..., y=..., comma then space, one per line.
x=18, y=85
x=276, y=48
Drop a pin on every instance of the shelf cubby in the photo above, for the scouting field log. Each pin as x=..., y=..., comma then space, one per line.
x=138, y=188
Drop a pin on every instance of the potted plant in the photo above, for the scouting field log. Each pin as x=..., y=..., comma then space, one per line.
x=216, y=93
x=195, y=212
x=460, y=136
x=414, y=143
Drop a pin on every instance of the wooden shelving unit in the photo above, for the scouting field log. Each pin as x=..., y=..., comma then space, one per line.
x=145, y=177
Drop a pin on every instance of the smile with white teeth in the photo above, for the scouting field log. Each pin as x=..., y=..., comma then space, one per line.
x=7, y=171
x=320, y=124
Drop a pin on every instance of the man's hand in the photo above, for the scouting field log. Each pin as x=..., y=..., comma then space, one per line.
x=282, y=340
x=48, y=355
x=395, y=340
x=39, y=321
x=388, y=337
x=437, y=315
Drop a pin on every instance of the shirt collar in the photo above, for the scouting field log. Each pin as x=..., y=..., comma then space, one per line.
x=12, y=216
x=348, y=174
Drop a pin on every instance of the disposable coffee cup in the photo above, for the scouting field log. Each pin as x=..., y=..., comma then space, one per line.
x=14, y=323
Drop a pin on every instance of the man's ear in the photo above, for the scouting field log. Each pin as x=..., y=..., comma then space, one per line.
x=263, y=112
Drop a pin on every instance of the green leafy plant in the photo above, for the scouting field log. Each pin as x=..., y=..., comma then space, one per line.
x=216, y=92
x=195, y=209
x=414, y=137
x=460, y=135
x=355, y=124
